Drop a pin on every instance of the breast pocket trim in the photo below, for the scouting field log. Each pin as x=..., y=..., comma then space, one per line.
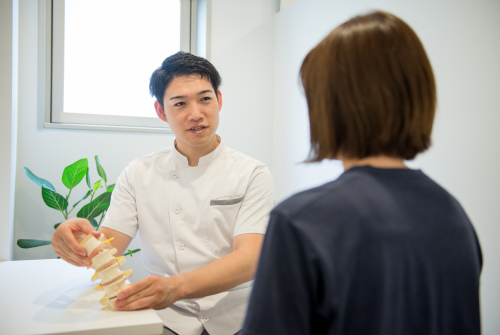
x=225, y=201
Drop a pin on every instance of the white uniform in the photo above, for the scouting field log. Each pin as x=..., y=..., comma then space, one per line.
x=188, y=217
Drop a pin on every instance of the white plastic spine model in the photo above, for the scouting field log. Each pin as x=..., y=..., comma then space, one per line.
x=107, y=267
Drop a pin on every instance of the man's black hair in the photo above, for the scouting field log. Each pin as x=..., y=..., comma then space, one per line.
x=181, y=64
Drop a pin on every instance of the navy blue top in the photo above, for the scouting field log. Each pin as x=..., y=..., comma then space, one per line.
x=377, y=251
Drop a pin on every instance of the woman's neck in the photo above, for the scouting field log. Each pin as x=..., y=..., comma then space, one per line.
x=381, y=162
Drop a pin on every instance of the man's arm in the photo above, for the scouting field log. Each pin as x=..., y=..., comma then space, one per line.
x=229, y=271
x=120, y=240
x=219, y=276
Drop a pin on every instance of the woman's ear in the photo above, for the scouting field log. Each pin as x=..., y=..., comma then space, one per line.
x=160, y=111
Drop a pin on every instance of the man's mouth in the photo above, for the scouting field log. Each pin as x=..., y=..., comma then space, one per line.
x=197, y=128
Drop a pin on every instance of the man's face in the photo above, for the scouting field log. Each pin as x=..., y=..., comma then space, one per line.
x=191, y=108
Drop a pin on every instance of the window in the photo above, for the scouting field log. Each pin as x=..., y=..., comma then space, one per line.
x=98, y=55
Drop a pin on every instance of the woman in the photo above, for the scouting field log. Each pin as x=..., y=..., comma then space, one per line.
x=383, y=249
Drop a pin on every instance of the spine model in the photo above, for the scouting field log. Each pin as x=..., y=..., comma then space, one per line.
x=107, y=268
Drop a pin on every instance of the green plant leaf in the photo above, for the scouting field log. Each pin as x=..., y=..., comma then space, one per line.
x=100, y=170
x=53, y=199
x=89, y=192
x=27, y=243
x=94, y=223
x=87, y=178
x=57, y=225
x=74, y=173
x=110, y=188
x=38, y=181
x=95, y=207
x=97, y=184
x=130, y=252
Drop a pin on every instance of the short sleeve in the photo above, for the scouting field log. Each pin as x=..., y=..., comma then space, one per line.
x=258, y=202
x=283, y=295
x=122, y=213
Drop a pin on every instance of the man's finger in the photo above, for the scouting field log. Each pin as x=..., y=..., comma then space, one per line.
x=95, y=233
x=69, y=254
x=87, y=228
x=138, y=286
x=137, y=296
x=65, y=255
x=67, y=251
x=64, y=252
x=69, y=239
x=144, y=303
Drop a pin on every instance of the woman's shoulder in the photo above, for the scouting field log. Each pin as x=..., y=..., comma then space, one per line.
x=328, y=195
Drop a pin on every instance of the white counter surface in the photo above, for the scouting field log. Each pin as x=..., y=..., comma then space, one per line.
x=54, y=297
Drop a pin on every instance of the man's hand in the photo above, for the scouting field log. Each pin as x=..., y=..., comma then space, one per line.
x=151, y=292
x=65, y=244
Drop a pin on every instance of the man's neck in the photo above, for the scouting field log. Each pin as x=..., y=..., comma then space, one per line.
x=382, y=162
x=193, y=154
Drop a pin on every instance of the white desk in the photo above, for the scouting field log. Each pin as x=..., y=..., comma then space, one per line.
x=54, y=297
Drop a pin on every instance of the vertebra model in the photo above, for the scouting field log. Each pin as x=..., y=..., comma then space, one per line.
x=107, y=267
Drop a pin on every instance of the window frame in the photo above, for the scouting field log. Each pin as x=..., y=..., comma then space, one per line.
x=51, y=74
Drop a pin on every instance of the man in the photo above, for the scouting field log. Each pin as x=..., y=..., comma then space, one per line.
x=201, y=207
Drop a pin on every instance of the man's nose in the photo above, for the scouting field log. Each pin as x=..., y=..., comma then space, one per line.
x=195, y=113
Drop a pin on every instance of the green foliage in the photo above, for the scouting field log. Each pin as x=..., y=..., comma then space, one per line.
x=26, y=244
x=39, y=181
x=54, y=200
x=94, y=223
x=87, y=179
x=74, y=173
x=96, y=207
x=100, y=170
x=130, y=252
x=97, y=185
x=89, y=192
x=72, y=176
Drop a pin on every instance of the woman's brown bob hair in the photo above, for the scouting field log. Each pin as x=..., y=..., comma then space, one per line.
x=370, y=91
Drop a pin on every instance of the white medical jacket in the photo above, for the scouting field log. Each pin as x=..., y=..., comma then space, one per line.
x=188, y=217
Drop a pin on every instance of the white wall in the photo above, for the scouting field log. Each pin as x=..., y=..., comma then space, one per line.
x=464, y=49
x=47, y=151
x=298, y=29
x=242, y=49
x=285, y=3
x=7, y=119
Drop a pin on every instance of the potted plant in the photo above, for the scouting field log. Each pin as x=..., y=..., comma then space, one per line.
x=94, y=210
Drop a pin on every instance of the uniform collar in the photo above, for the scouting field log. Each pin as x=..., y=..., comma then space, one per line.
x=205, y=160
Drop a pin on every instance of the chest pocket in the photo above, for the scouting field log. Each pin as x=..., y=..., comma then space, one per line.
x=224, y=212
x=226, y=201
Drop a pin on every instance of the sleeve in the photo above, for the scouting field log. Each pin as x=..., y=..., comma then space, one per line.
x=283, y=295
x=258, y=202
x=122, y=212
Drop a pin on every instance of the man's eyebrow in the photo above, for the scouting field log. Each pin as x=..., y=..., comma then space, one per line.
x=178, y=97
x=184, y=96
